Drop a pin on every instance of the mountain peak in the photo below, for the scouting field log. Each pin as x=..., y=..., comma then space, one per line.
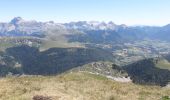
x=16, y=20
x=111, y=23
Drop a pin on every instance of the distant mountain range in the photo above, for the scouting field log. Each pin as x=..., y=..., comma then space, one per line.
x=83, y=31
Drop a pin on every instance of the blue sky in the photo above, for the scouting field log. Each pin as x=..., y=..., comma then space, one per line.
x=130, y=12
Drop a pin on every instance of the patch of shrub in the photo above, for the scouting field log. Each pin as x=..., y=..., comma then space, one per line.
x=165, y=98
x=40, y=97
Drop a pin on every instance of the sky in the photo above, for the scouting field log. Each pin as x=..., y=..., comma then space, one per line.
x=129, y=12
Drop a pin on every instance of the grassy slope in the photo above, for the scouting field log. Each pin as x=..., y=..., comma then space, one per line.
x=76, y=86
x=163, y=64
x=5, y=45
x=46, y=44
x=9, y=42
x=102, y=68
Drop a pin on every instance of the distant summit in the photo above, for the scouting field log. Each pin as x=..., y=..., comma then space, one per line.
x=16, y=20
x=84, y=31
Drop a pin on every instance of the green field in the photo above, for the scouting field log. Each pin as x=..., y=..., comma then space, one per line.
x=163, y=64
x=46, y=44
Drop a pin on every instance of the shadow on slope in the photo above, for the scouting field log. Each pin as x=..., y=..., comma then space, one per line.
x=146, y=72
x=55, y=60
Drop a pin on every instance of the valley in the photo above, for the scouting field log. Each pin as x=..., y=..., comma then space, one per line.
x=103, y=57
x=85, y=50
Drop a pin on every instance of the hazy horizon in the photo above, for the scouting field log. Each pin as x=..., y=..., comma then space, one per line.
x=129, y=12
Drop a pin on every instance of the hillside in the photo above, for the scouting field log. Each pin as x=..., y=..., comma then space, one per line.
x=76, y=86
x=149, y=71
x=163, y=64
x=29, y=60
x=85, y=50
x=49, y=62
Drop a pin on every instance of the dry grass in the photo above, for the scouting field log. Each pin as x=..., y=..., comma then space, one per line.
x=76, y=86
